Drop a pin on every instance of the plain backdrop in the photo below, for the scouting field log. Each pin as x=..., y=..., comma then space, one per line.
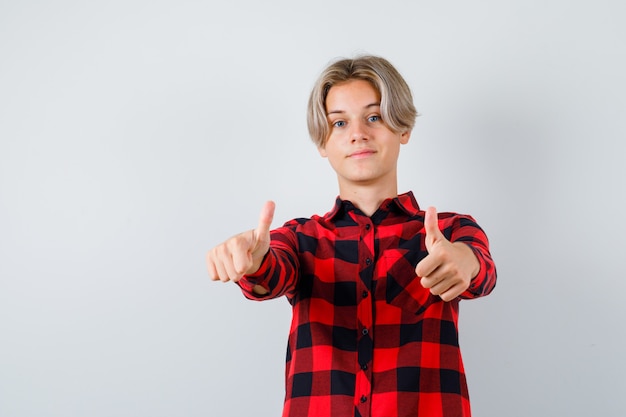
x=135, y=135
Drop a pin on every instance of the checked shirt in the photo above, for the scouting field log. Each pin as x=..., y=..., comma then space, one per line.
x=366, y=338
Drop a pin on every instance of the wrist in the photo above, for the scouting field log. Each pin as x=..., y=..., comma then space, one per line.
x=472, y=262
x=256, y=264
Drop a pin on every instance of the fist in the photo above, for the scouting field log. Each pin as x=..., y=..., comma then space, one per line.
x=242, y=254
x=448, y=269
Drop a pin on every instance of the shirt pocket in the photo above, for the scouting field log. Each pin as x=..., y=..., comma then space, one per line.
x=399, y=285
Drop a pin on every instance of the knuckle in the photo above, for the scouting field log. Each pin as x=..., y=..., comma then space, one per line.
x=236, y=245
x=244, y=267
x=218, y=252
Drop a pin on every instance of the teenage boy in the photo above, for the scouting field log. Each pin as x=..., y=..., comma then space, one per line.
x=375, y=283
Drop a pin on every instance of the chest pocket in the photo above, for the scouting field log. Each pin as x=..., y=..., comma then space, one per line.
x=398, y=284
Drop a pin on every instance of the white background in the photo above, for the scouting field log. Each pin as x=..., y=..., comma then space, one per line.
x=135, y=135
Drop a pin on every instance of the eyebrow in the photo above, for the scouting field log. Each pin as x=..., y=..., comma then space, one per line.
x=377, y=104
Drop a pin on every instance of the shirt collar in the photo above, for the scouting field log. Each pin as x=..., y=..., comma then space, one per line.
x=405, y=202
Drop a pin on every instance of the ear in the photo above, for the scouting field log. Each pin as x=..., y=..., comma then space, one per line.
x=322, y=151
x=404, y=137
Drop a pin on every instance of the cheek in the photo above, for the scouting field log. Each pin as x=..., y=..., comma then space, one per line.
x=330, y=149
x=333, y=156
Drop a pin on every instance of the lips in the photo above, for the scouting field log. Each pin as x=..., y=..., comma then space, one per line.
x=362, y=153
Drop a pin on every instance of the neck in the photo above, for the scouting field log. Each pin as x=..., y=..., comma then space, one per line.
x=368, y=198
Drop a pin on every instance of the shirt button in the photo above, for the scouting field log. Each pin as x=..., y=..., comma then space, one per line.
x=364, y=294
x=368, y=261
x=363, y=398
x=365, y=332
x=368, y=227
x=364, y=367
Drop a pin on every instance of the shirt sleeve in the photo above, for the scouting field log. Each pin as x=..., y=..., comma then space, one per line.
x=279, y=271
x=465, y=229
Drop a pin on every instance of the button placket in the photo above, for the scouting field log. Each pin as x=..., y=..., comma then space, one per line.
x=365, y=315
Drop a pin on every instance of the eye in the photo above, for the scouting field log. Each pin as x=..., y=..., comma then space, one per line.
x=374, y=118
x=339, y=123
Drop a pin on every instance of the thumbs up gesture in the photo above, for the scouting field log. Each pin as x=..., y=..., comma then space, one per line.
x=448, y=268
x=242, y=254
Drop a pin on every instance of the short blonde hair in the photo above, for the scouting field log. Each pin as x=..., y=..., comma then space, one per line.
x=396, y=101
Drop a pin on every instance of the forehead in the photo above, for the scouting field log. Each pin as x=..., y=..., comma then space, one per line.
x=360, y=93
x=352, y=88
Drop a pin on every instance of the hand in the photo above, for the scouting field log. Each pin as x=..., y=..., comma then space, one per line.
x=242, y=254
x=448, y=268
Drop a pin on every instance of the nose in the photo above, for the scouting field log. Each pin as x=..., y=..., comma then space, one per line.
x=358, y=132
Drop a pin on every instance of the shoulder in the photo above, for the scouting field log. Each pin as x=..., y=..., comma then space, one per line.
x=299, y=234
x=312, y=227
x=448, y=216
x=462, y=227
x=304, y=224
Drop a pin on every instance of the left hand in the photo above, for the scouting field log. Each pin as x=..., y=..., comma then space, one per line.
x=448, y=268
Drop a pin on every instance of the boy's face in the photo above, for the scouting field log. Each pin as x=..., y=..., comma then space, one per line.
x=360, y=147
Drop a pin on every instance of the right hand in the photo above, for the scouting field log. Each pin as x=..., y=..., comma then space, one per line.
x=242, y=254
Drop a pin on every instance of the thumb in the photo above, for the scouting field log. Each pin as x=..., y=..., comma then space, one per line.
x=431, y=225
x=265, y=220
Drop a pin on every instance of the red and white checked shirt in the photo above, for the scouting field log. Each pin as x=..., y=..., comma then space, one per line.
x=366, y=338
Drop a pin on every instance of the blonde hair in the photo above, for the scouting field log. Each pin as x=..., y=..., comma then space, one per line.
x=396, y=101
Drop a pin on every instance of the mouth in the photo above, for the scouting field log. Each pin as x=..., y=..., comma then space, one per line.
x=362, y=153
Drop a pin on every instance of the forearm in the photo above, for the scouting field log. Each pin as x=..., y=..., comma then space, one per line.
x=485, y=280
x=468, y=232
x=276, y=276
